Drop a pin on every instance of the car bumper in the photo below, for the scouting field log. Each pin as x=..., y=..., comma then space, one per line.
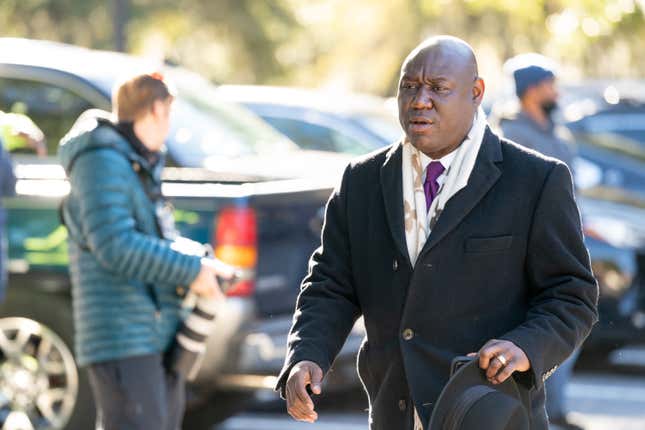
x=224, y=344
x=263, y=351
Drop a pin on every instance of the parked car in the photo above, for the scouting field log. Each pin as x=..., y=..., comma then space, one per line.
x=607, y=120
x=322, y=121
x=615, y=236
x=235, y=183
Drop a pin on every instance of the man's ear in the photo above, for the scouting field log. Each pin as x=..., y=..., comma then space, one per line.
x=479, y=87
x=156, y=108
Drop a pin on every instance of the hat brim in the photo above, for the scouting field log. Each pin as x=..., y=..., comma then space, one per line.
x=467, y=376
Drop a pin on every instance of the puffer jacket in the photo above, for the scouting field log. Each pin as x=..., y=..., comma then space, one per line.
x=124, y=274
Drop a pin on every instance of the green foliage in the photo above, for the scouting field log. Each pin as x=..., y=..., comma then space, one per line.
x=355, y=45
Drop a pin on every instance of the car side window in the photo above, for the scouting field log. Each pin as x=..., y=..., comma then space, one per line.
x=52, y=108
x=316, y=137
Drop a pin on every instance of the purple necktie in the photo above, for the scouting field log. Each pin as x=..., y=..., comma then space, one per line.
x=431, y=186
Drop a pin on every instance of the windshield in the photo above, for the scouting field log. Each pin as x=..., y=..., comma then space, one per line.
x=385, y=126
x=619, y=132
x=629, y=125
x=204, y=128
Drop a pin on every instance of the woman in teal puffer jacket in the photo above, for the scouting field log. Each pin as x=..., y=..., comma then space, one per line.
x=123, y=267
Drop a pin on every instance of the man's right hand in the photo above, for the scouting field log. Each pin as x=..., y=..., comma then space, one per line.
x=206, y=285
x=299, y=403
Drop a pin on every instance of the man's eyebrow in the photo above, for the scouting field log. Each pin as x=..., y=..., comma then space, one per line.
x=438, y=79
x=432, y=79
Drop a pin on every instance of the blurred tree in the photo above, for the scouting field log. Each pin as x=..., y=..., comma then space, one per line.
x=350, y=45
x=120, y=13
x=83, y=22
x=364, y=42
x=231, y=39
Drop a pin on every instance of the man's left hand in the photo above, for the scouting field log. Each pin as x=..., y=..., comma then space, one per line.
x=500, y=358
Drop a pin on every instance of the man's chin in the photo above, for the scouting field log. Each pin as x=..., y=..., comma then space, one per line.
x=423, y=143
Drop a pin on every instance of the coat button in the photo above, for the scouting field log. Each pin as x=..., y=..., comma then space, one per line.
x=408, y=334
x=157, y=315
x=395, y=265
x=402, y=404
x=181, y=291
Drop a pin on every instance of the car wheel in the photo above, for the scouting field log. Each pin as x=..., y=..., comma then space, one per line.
x=41, y=386
x=38, y=376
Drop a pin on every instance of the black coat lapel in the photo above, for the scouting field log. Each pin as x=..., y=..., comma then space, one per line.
x=392, y=189
x=484, y=175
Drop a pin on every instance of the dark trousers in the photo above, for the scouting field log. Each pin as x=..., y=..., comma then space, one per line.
x=137, y=393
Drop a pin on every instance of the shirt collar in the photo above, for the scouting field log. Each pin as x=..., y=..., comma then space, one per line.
x=445, y=161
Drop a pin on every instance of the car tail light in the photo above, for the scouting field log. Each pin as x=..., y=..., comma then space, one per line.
x=235, y=243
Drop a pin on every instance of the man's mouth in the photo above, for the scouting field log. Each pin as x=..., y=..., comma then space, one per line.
x=420, y=124
x=420, y=120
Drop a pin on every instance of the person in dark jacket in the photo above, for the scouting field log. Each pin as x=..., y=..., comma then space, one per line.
x=533, y=126
x=449, y=242
x=7, y=189
x=124, y=266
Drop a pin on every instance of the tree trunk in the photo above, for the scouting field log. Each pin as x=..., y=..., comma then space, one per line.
x=120, y=20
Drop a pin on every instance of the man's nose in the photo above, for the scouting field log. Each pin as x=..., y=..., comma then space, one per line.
x=423, y=99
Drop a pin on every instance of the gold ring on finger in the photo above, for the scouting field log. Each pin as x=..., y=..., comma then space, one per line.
x=502, y=359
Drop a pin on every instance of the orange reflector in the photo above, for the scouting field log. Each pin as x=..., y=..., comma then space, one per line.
x=241, y=256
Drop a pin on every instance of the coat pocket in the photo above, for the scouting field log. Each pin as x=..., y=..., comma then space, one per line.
x=488, y=244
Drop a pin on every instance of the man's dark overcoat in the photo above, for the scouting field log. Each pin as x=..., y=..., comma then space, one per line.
x=506, y=260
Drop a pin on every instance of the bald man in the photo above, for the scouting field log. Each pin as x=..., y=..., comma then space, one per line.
x=448, y=242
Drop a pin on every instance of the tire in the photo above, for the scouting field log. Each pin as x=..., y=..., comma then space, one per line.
x=52, y=313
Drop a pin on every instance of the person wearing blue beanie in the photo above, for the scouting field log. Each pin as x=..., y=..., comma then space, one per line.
x=530, y=76
x=532, y=125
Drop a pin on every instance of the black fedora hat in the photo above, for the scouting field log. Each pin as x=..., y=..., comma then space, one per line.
x=470, y=402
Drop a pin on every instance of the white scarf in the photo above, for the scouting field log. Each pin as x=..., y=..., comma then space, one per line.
x=418, y=223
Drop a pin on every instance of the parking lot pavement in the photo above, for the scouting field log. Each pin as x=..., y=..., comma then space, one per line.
x=597, y=401
x=329, y=421
x=608, y=402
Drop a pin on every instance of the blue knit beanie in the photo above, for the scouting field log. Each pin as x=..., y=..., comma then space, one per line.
x=527, y=77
